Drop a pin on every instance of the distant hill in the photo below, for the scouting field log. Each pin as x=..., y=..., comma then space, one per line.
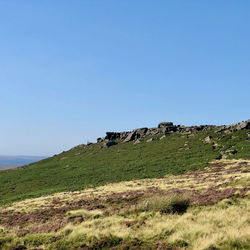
x=123, y=156
x=3, y=166
x=14, y=161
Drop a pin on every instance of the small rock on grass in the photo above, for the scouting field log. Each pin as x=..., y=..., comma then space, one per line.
x=208, y=139
x=149, y=140
x=137, y=141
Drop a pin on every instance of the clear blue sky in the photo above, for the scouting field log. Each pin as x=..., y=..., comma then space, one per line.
x=71, y=70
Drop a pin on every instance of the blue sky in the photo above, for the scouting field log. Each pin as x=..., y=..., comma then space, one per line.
x=72, y=70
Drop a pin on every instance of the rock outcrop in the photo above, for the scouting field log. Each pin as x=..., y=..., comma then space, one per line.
x=164, y=128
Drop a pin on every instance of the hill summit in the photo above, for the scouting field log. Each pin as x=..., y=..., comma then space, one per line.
x=167, y=128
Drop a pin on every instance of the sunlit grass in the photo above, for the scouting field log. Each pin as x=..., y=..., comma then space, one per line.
x=147, y=221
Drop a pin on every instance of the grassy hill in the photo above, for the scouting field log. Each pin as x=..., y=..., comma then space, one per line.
x=94, y=165
x=203, y=210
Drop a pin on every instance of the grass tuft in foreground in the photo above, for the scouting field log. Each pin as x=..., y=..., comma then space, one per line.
x=165, y=204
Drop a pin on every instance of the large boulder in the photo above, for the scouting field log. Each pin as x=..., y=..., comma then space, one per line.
x=136, y=134
x=112, y=136
x=166, y=127
x=130, y=137
x=140, y=132
x=152, y=131
x=123, y=135
x=165, y=124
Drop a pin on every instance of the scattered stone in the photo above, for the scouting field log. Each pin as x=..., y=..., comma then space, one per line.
x=137, y=141
x=149, y=140
x=248, y=136
x=164, y=136
x=227, y=132
x=208, y=139
x=223, y=156
x=231, y=151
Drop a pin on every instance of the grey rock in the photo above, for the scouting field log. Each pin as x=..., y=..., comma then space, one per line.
x=243, y=125
x=140, y=132
x=215, y=145
x=164, y=136
x=166, y=127
x=108, y=144
x=228, y=131
x=130, y=137
x=99, y=139
x=231, y=151
x=248, y=136
x=136, y=134
x=149, y=140
x=165, y=124
x=208, y=139
x=137, y=141
x=152, y=131
x=112, y=136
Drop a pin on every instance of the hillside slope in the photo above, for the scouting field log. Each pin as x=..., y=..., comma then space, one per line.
x=203, y=209
x=166, y=150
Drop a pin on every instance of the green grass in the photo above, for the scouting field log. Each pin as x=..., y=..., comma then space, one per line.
x=83, y=167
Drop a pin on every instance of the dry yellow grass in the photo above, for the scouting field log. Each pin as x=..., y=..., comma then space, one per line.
x=198, y=228
x=225, y=224
x=165, y=183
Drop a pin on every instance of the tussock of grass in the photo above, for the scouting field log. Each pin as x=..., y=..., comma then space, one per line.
x=165, y=204
x=86, y=214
